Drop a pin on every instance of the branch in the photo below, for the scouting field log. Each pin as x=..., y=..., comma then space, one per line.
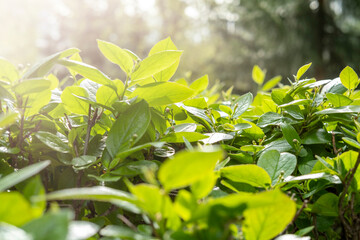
x=347, y=181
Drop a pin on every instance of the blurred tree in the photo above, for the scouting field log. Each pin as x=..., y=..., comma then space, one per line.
x=282, y=35
x=223, y=38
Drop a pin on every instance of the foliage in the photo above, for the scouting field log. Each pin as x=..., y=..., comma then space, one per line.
x=152, y=158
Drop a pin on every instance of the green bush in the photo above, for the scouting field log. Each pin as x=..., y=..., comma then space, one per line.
x=89, y=157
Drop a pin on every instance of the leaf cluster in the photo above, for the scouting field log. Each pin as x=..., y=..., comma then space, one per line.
x=148, y=157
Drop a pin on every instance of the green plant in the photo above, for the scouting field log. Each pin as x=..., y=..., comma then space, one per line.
x=149, y=158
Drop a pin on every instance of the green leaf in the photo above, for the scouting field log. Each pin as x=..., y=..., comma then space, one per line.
x=167, y=73
x=88, y=72
x=270, y=118
x=340, y=110
x=271, y=83
x=203, y=187
x=296, y=102
x=53, y=225
x=318, y=136
x=302, y=70
x=134, y=168
x=155, y=63
x=163, y=93
x=43, y=67
x=258, y=75
x=290, y=134
x=8, y=72
x=326, y=205
x=72, y=102
x=200, y=84
x=216, y=137
x=131, y=125
x=99, y=193
x=22, y=174
x=53, y=141
x=163, y=45
x=338, y=100
x=84, y=160
x=106, y=96
x=178, y=137
x=5, y=94
x=276, y=164
x=242, y=104
x=351, y=142
x=349, y=159
x=349, y=78
x=31, y=86
x=247, y=173
x=152, y=200
x=116, y=55
x=265, y=221
x=16, y=210
x=194, y=164
x=7, y=119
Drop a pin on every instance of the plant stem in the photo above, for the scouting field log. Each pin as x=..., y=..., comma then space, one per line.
x=347, y=181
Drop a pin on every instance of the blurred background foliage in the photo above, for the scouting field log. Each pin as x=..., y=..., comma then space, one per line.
x=223, y=38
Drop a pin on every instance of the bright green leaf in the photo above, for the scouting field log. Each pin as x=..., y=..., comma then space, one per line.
x=338, y=100
x=116, y=55
x=247, y=173
x=194, y=165
x=349, y=78
x=258, y=75
x=302, y=70
x=155, y=63
x=163, y=93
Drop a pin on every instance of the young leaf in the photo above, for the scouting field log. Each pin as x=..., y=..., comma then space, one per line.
x=258, y=75
x=128, y=128
x=247, y=173
x=88, y=72
x=43, y=67
x=302, y=70
x=349, y=78
x=200, y=84
x=163, y=93
x=163, y=45
x=22, y=174
x=271, y=83
x=167, y=73
x=194, y=165
x=155, y=63
x=116, y=55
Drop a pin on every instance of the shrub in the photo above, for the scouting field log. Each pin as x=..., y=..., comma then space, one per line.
x=150, y=158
